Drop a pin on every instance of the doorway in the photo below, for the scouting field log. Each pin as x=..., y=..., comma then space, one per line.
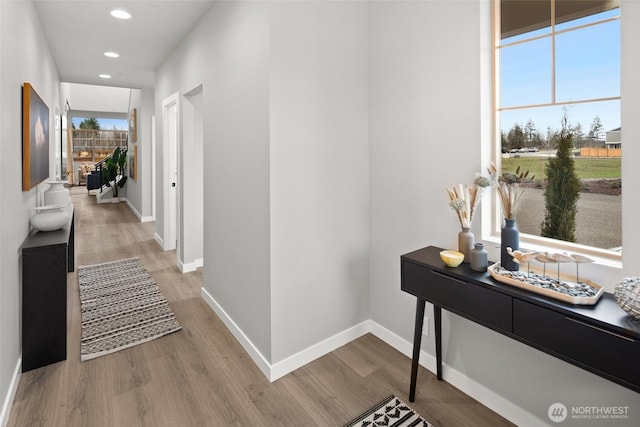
x=170, y=115
x=191, y=204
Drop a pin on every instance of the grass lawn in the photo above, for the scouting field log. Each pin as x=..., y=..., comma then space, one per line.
x=585, y=167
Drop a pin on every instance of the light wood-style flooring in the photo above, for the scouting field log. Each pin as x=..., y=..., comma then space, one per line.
x=201, y=376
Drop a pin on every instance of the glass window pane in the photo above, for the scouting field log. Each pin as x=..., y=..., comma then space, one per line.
x=588, y=63
x=546, y=121
x=525, y=73
x=528, y=139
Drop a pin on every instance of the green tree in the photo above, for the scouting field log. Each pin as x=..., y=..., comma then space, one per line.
x=516, y=137
x=90, y=123
x=562, y=190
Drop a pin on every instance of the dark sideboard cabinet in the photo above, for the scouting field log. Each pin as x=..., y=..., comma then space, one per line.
x=600, y=338
x=46, y=259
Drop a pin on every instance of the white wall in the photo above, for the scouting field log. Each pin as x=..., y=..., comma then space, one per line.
x=285, y=165
x=146, y=111
x=425, y=89
x=25, y=57
x=319, y=174
x=138, y=192
x=98, y=98
x=227, y=53
x=133, y=188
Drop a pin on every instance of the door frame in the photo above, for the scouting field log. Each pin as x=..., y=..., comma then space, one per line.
x=170, y=148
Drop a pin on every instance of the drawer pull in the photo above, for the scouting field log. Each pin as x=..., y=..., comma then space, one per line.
x=448, y=278
x=600, y=329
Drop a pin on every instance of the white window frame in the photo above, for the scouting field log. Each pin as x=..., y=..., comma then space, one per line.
x=529, y=241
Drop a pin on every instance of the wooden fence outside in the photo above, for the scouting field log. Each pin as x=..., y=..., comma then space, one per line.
x=600, y=152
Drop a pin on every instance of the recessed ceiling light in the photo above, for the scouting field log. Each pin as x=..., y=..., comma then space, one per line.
x=104, y=76
x=120, y=14
x=111, y=54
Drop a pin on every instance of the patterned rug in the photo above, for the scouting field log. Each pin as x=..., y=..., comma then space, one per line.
x=390, y=412
x=121, y=307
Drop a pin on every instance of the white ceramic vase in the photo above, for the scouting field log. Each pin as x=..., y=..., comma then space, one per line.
x=49, y=218
x=57, y=194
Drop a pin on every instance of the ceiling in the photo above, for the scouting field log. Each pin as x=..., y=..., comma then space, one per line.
x=80, y=31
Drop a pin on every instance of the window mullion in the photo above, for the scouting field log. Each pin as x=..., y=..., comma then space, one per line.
x=553, y=51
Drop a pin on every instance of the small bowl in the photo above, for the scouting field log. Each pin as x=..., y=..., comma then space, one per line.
x=452, y=258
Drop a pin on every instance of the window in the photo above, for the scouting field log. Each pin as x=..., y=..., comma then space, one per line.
x=558, y=59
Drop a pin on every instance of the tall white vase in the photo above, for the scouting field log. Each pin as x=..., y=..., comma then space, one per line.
x=57, y=194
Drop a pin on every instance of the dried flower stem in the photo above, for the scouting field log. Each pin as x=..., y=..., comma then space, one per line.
x=508, y=188
x=465, y=199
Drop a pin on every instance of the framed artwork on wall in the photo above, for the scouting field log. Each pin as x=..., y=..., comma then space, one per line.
x=35, y=138
x=133, y=127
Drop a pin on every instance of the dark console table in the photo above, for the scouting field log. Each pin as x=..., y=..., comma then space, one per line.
x=46, y=259
x=600, y=338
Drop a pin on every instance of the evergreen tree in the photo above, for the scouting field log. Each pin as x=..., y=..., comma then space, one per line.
x=516, y=137
x=562, y=190
x=90, y=123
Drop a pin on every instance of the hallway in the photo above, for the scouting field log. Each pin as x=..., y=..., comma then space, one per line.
x=201, y=376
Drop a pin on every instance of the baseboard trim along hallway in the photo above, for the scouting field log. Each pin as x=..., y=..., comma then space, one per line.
x=477, y=391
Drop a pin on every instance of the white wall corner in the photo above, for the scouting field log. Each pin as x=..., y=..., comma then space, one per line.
x=159, y=240
x=291, y=363
x=11, y=394
x=477, y=391
x=133, y=209
x=190, y=266
x=274, y=371
x=244, y=341
x=138, y=214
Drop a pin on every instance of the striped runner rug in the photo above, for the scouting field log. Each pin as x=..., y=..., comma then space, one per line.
x=390, y=412
x=121, y=306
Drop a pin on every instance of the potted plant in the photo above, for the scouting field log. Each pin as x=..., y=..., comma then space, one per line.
x=113, y=171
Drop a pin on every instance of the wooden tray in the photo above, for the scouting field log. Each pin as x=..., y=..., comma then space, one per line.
x=578, y=300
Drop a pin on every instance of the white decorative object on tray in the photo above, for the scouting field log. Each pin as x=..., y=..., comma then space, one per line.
x=535, y=280
x=627, y=295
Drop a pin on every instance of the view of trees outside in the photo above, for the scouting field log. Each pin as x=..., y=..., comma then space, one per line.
x=89, y=123
x=557, y=83
x=98, y=123
x=529, y=138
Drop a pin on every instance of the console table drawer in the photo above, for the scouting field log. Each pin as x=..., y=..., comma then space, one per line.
x=482, y=305
x=594, y=346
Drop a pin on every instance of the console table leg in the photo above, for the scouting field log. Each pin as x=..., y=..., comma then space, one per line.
x=417, y=341
x=437, y=324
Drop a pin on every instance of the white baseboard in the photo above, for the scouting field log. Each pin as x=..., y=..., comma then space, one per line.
x=309, y=354
x=472, y=388
x=138, y=214
x=11, y=394
x=190, y=266
x=245, y=342
x=290, y=364
x=159, y=240
x=477, y=391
